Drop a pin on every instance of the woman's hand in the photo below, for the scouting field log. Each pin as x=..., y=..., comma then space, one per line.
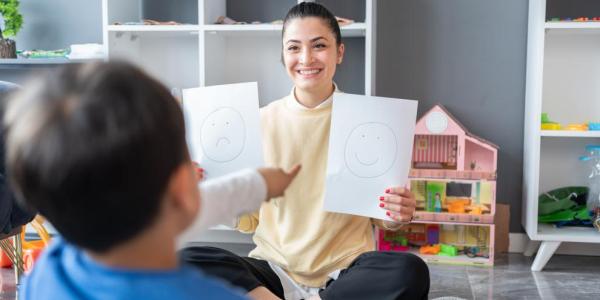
x=400, y=204
x=199, y=171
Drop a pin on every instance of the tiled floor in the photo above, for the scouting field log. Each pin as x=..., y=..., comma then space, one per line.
x=565, y=277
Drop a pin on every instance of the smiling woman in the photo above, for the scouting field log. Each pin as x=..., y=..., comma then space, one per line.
x=301, y=251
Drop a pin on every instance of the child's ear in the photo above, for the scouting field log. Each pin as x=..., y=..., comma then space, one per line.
x=182, y=191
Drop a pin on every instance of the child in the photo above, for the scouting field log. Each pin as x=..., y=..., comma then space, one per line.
x=100, y=151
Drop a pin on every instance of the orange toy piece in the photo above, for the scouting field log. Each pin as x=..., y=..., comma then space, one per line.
x=433, y=249
x=577, y=127
x=458, y=206
x=476, y=210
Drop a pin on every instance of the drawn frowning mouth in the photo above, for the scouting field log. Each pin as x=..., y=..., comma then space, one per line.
x=365, y=163
x=224, y=140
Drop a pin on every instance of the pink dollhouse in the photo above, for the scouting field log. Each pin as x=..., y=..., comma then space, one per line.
x=453, y=177
x=444, y=148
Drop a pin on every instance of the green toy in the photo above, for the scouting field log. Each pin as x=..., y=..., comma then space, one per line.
x=560, y=199
x=580, y=213
x=448, y=250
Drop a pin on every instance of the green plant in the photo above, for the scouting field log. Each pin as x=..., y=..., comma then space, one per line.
x=13, y=20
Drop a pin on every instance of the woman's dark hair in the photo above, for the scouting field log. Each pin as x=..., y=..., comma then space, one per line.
x=312, y=9
x=93, y=147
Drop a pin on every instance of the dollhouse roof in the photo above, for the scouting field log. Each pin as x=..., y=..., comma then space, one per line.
x=467, y=132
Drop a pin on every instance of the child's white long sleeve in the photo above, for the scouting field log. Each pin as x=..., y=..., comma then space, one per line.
x=225, y=198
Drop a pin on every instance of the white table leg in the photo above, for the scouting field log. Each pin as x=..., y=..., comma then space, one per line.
x=543, y=255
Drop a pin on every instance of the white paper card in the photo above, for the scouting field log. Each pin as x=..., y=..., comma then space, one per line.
x=223, y=127
x=370, y=148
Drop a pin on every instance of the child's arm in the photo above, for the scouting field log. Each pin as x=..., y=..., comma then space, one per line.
x=225, y=198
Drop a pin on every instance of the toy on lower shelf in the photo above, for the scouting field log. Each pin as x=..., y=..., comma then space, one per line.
x=594, y=126
x=547, y=124
x=577, y=127
x=448, y=250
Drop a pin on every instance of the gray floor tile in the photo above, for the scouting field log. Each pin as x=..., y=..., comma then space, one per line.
x=449, y=281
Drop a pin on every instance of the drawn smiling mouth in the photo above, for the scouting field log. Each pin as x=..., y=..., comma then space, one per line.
x=365, y=163
x=224, y=140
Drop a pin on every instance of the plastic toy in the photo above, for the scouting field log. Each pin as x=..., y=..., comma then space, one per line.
x=579, y=19
x=551, y=126
x=577, y=127
x=433, y=234
x=561, y=199
x=475, y=252
x=435, y=190
x=595, y=126
x=458, y=206
x=430, y=249
x=437, y=205
x=448, y=250
x=547, y=124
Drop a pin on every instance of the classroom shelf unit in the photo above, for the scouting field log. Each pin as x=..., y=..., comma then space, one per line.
x=201, y=53
x=562, y=59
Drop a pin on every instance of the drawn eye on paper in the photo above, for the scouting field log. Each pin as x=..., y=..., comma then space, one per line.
x=223, y=135
x=370, y=149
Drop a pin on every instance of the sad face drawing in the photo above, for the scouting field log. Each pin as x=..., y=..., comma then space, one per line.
x=370, y=150
x=223, y=135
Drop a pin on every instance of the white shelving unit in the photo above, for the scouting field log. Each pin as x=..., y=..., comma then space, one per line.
x=201, y=53
x=562, y=76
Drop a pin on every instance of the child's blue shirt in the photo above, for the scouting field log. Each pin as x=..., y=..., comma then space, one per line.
x=66, y=272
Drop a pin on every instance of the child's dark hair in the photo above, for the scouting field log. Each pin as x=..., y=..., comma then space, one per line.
x=93, y=147
x=312, y=9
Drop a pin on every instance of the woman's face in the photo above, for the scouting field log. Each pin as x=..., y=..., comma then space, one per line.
x=310, y=53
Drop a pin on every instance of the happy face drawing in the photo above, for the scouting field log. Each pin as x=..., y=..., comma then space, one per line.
x=223, y=135
x=370, y=150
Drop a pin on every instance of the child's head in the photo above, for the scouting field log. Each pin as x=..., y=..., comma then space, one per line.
x=312, y=46
x=99, y=150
